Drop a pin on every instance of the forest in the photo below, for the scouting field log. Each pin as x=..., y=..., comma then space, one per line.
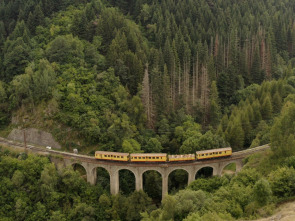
x=153, y=76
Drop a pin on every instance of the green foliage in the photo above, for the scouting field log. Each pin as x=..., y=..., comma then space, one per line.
x=209, y=185
x=188, y=201
x=282, y=132
x=88, y=59
x=290, y=161
x=153, y=146
x=33, y=189
x=247, y=177
x=131, y=146
x=36, y=84
x=138, y=202
x=262, y=192
x=282, y=182
x=16, y=58
x=65, y=49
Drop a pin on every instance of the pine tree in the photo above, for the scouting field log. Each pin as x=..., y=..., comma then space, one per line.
x=237, y=135
x=266, y=108
x=255, y=69
x=276, y=102
x=215, y=111
x=256, y=113
x=247, y=128
x=211, y=69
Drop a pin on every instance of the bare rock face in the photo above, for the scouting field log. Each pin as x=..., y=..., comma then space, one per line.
x=34, y=136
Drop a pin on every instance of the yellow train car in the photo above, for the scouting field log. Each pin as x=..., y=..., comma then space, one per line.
x=214, y=153
x=184, y=157
x=105, y=155
x=148, y=157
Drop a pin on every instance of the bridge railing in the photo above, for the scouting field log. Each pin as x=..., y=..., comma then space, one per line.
x=41, y=148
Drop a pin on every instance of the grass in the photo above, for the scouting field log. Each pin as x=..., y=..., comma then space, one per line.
x=264, y=162
x=231, y=167
x=5, y=131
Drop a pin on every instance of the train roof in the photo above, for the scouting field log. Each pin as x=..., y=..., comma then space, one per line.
x=148, y=154
x=111, y=153
x=181, y=155
x=214, y=150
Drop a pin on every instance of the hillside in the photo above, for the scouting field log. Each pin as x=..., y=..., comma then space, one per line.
x=140, y=73
x=284, y=212
x=150, y=76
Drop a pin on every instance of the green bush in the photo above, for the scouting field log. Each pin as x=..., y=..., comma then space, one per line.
x=282, y=182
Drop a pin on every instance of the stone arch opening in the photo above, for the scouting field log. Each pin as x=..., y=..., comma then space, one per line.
x=126, y=181
x=204, y=172
x=80, y=169
x=177, y=180
x=230, y=168
x=152, y=185
x=102, y=178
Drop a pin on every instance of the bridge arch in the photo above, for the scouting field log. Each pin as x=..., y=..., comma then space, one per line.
x=178, y=178
x=74, y=163
x=153, y=182
x=207, y=169
x=238, y=165
x=127, y=185
x=100, y=175
x=80, y=169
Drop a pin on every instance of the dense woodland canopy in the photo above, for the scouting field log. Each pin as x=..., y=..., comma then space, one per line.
x=152, y=75
x=148, y=76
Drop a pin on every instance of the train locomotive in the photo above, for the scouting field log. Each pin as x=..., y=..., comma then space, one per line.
x=163, y=157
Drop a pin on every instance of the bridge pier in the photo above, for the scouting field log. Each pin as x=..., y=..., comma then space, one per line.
x=138, y=182
x=191, y=177
x=164, y=185
x=239, y=165
x=114, y=182
x=215, y=172
x=64, y=159
x=139, y=170
x=91, y=176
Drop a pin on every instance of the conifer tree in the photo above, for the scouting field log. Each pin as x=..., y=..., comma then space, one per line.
x=266, y=108
x=214, y=105
x=276, y=102
x=237, y=135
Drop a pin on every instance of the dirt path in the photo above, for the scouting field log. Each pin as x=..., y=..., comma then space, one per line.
x=285, y=212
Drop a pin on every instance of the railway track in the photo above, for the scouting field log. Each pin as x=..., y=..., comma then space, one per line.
x=90, y=159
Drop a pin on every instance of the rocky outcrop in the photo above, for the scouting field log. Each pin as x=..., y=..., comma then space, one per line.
x=34, y=136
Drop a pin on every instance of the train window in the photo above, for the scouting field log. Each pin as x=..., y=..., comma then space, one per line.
x=206, y=154
x=157, y=157
x=150, y=158
x=139, y=157
x=220, y=152
x=121, y=156
x=135, y=157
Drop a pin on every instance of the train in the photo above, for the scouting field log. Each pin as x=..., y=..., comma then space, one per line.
x=163, y=157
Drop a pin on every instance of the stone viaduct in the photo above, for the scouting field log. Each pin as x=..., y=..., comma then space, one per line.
x=164, y=169
x=65, y=159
